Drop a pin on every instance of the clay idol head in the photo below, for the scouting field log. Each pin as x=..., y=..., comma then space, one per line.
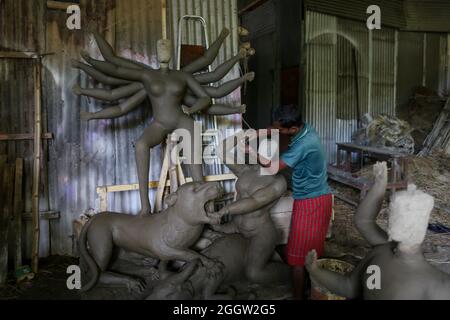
x=409, y=214
x=164, y=50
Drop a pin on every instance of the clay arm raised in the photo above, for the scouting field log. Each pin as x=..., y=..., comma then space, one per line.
x=108, y=53
x=370, y=207
x=209, y=56
x=344, y=285
x=228, y=87
x=258, y=199
x=97, y=75
x=221, y=71
x=117, y=111
x=113, y=70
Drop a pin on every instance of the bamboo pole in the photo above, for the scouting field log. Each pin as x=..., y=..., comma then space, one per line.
x=36, y=167
x=17, y=212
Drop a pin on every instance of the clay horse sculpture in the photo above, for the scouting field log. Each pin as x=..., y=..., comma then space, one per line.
x=167, y=90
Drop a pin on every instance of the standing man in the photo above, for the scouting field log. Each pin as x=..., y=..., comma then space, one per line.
x=312, y=209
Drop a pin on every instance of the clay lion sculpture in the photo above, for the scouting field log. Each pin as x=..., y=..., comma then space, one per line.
x=167, y=235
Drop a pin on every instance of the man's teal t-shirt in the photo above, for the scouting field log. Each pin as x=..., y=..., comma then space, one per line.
x=307, y=159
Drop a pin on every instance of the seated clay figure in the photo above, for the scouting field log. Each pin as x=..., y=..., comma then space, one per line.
x=404, y=272
x=167, y=236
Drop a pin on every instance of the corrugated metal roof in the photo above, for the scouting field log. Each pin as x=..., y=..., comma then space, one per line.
x=431, y=16
x=391, y=10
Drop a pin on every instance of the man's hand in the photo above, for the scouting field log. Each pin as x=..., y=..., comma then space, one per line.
x=311, y=261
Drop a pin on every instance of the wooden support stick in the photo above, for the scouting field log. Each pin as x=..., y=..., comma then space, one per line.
x=162, y=181
x=102, y=192
x=36, y=168
x=23, y=136
x=58, y=5
x=18, y=205
x=18, y=55
x=3, y=220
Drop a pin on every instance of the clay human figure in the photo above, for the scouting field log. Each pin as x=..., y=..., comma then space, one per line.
x=165, y=88
x=167, y=235
x=135, y=93
x=256, y=195
x=404, y=273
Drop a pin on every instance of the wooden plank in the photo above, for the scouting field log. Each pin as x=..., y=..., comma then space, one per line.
x=7, y=187
x=44, y=215
x=102, y=192
x=58, y=5
x=3, y=235
x=36, y=168
x=154, y=184
x=18, y=55
x=23, y=136
x=18, y=204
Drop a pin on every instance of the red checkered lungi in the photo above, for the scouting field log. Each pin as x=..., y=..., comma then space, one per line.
x=309, y=227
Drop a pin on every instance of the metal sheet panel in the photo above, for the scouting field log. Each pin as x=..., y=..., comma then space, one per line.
x=391, y=10
x=427, y=16
x=330, y=76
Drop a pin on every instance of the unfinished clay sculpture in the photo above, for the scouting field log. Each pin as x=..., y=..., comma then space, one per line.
x=250, y=214
x=167, y=235
x=396, y=258
x=167, y=90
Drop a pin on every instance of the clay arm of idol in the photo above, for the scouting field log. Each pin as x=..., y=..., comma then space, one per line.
x=228, y=87
x=221, y=71
x=97, y=75
x=226, y=154
x=347, y=285
x=216, y=109
x=109, y=95
x=370, y=207
x=209, y=56
x=108, y=53
x=203, y=102
x=117, y=111
x=113, y=70
x=273, y=167
x=258, y=199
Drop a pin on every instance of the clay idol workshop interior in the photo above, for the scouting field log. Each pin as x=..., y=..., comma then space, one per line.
x=225, y=150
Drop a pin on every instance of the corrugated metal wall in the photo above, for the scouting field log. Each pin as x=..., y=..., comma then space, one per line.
x=391, y=10
x=429, y=16
x=82, y=155
x=331, y=104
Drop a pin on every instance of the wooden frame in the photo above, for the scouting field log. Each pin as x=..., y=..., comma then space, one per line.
x=23, y=136
x=102, y=192
x=58, y=5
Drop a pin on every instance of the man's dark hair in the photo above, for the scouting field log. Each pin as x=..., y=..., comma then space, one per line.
x=288, y=116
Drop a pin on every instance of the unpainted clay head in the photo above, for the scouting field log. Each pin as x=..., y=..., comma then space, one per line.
x=409, y=214
x=164, y=50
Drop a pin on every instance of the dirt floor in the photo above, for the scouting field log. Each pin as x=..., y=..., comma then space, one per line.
x=49, y=284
